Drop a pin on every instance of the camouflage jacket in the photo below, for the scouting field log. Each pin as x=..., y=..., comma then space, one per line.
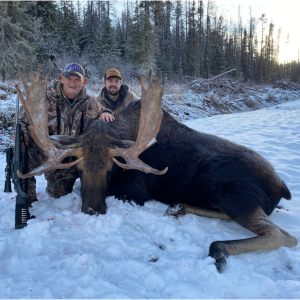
x=126, y=96
x=83, y=108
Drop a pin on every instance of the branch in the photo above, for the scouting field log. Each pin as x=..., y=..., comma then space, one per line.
x=211, y=79
x=247, y=88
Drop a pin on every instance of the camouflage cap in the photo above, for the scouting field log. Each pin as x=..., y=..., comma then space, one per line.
x=74, y=69
x=112, y=73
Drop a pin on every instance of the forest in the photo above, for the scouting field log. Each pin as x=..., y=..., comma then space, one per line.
x=176, y=39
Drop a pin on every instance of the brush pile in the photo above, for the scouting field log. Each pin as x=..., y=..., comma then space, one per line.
x=221, y=86
x=286, y=86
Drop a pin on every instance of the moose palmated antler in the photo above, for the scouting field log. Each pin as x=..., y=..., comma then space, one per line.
x=150, y=121
x=36, y=109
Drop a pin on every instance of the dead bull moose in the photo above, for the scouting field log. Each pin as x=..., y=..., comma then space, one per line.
x=209, y=176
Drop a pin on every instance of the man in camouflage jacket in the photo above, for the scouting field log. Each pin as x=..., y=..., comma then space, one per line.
x=115, y=95
x=70, y=112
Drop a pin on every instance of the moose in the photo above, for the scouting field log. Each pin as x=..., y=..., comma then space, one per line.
x=147, y=154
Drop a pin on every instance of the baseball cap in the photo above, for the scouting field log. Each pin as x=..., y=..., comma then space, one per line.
x=74, y=69
x=112, y=73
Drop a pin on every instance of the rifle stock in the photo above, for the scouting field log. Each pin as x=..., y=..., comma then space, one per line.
x=22, y=213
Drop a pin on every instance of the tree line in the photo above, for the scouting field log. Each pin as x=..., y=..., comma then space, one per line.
x=174, y=38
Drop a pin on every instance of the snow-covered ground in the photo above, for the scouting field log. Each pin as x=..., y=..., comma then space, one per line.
x=136, y=252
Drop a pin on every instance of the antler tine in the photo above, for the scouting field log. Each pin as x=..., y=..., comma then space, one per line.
x=23, y=101
x=36, y=109
x=23, y=80
x=162, y=92
x=157, y=84
x=31, y=74
x=53, y=164
x=150, y=120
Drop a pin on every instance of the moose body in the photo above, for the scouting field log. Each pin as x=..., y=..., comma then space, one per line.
x=207, y=175
x=204, y=170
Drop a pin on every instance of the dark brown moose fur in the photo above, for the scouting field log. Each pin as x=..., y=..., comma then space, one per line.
x=208, y=175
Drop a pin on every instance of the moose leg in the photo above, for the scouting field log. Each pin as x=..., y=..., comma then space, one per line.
x=269, y=237
x=181, y=209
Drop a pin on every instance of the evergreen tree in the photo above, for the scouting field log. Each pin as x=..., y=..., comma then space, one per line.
x=200, y=40
x=108, y=41
x=69, y=31
x=144, y=38
x=121, y=37
x=162, y=21
x=191, y=44
x=16, y=42
x=244, y=56
x=90, y=42
x=46, y=38
x=263, y=20
x=179, y=42
x=207, y=39
x=173, y=38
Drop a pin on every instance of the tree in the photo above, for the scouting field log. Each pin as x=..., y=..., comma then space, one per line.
x=44, y=14
x=178, y=33
x=16, y=31
x=200, y=40
x=263, y=20
x=69, y=37
x=143, y=38
x=108, y=41
x=207, y=39
x=244, y=56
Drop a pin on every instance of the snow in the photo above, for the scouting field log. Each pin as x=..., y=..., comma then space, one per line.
x=136, y=252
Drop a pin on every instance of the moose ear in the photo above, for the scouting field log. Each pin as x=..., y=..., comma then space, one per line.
x=65, y=141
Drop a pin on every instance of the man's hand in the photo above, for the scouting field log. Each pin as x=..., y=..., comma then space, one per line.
x=107, y=117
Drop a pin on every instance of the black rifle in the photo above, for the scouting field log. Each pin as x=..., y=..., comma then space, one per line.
x=22, y=213
x=7, y=186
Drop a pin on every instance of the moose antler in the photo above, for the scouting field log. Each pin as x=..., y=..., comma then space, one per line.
x=36, y=109
x=150, y=120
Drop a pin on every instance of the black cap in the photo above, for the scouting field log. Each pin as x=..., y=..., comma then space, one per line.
x=74, y=69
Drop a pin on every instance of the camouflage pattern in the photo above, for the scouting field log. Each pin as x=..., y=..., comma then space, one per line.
x=59, y=182
x=70, y=113
x=131, y=96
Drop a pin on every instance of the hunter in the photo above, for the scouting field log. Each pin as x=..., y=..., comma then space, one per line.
x=115, y=95
x=70, y=112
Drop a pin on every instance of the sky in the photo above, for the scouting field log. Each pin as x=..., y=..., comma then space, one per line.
x=284, y=15
x=135, y=252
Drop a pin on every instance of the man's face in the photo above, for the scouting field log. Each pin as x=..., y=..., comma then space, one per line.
x=72, y=85
x=113, y=85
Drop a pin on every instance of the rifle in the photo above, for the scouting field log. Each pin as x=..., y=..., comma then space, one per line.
x=15, y=164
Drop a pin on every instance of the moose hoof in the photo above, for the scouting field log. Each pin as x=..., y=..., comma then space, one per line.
x=217, y=250
x=220, y=264
x=91, y=211
x=175, y=210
